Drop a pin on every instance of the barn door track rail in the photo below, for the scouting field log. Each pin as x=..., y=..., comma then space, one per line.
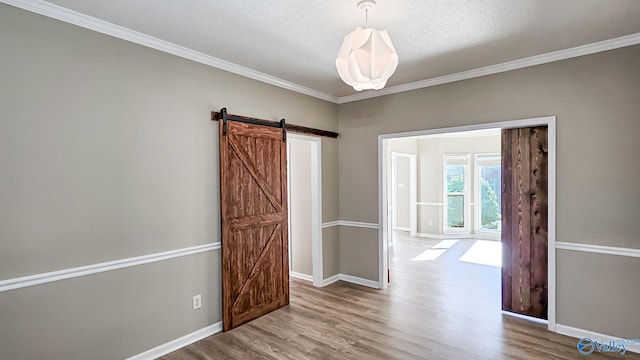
x=223, y=116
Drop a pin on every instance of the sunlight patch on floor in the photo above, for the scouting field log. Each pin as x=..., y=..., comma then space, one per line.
x=484, y=252
x=430, y=254
x=435, y=252
x=445, y=244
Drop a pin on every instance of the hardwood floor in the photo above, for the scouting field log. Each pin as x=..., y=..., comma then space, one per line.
x=433, y=309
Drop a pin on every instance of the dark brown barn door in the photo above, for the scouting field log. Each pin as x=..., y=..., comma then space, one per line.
x=524, y=221
x=253, y=191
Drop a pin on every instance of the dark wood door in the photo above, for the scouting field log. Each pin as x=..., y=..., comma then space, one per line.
x=253, y=191
x=524, y=221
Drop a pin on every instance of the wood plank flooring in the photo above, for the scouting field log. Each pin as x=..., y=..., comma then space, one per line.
x=436, y=309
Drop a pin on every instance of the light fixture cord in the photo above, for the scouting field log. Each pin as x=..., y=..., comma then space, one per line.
x=366, y=18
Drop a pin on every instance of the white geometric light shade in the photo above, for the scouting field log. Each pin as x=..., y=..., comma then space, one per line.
x=367, y=59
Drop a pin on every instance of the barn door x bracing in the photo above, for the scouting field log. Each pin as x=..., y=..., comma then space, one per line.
x=524, y=221
x=253, y=191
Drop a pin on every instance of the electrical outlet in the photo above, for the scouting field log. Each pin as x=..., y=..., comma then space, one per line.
x=197, y=302
x=430, y=222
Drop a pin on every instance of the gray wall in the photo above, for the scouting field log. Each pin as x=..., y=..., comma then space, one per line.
x=330, y=209
x=107, y=152
x=595, y=99
x=403, y=193
x=330, y=252
x=300, y=206
x=429, y=186
x=357, y=257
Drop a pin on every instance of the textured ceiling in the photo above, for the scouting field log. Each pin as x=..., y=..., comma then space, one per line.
x=297, y=40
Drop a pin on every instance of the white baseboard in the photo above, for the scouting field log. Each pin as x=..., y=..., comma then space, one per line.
x=487, y=235
x=444, y=237
x=525, y=317
x=580, y=333
x=360, y=281
x=351, y=279
x=331, y=280
x=301, y=276
x=430, y=236
x=178, y=343
x=401, y=228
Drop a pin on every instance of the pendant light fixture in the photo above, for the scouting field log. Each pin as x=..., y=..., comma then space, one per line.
x=367, y=58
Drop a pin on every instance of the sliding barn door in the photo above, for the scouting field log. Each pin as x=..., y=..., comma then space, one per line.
x=253, y=191
x=524, y=221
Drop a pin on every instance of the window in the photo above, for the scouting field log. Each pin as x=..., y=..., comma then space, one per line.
x=456, y=190
x=488, y=192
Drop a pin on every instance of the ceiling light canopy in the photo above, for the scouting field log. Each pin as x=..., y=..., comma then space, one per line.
x=367, y=58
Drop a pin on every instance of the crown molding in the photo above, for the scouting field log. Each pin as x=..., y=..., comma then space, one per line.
x=107, y=28
x=593, y=48
x=88, y=22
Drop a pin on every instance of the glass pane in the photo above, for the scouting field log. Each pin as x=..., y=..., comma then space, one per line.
x=455, y=211
x=490, y=197
x=455, y=178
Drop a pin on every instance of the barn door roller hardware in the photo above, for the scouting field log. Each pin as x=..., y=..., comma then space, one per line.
x=224, y=117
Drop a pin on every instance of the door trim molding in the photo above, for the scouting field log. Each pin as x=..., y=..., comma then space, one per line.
x=316, y=204
x=598, y=249
x=550, y=122
x=70, y=273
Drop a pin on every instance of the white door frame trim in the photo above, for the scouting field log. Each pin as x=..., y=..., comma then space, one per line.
x=549, y=121
x=413, y=189
x=316, y=203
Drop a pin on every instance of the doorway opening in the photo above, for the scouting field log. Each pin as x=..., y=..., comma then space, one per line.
x=457, y=208
x=305, y=207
